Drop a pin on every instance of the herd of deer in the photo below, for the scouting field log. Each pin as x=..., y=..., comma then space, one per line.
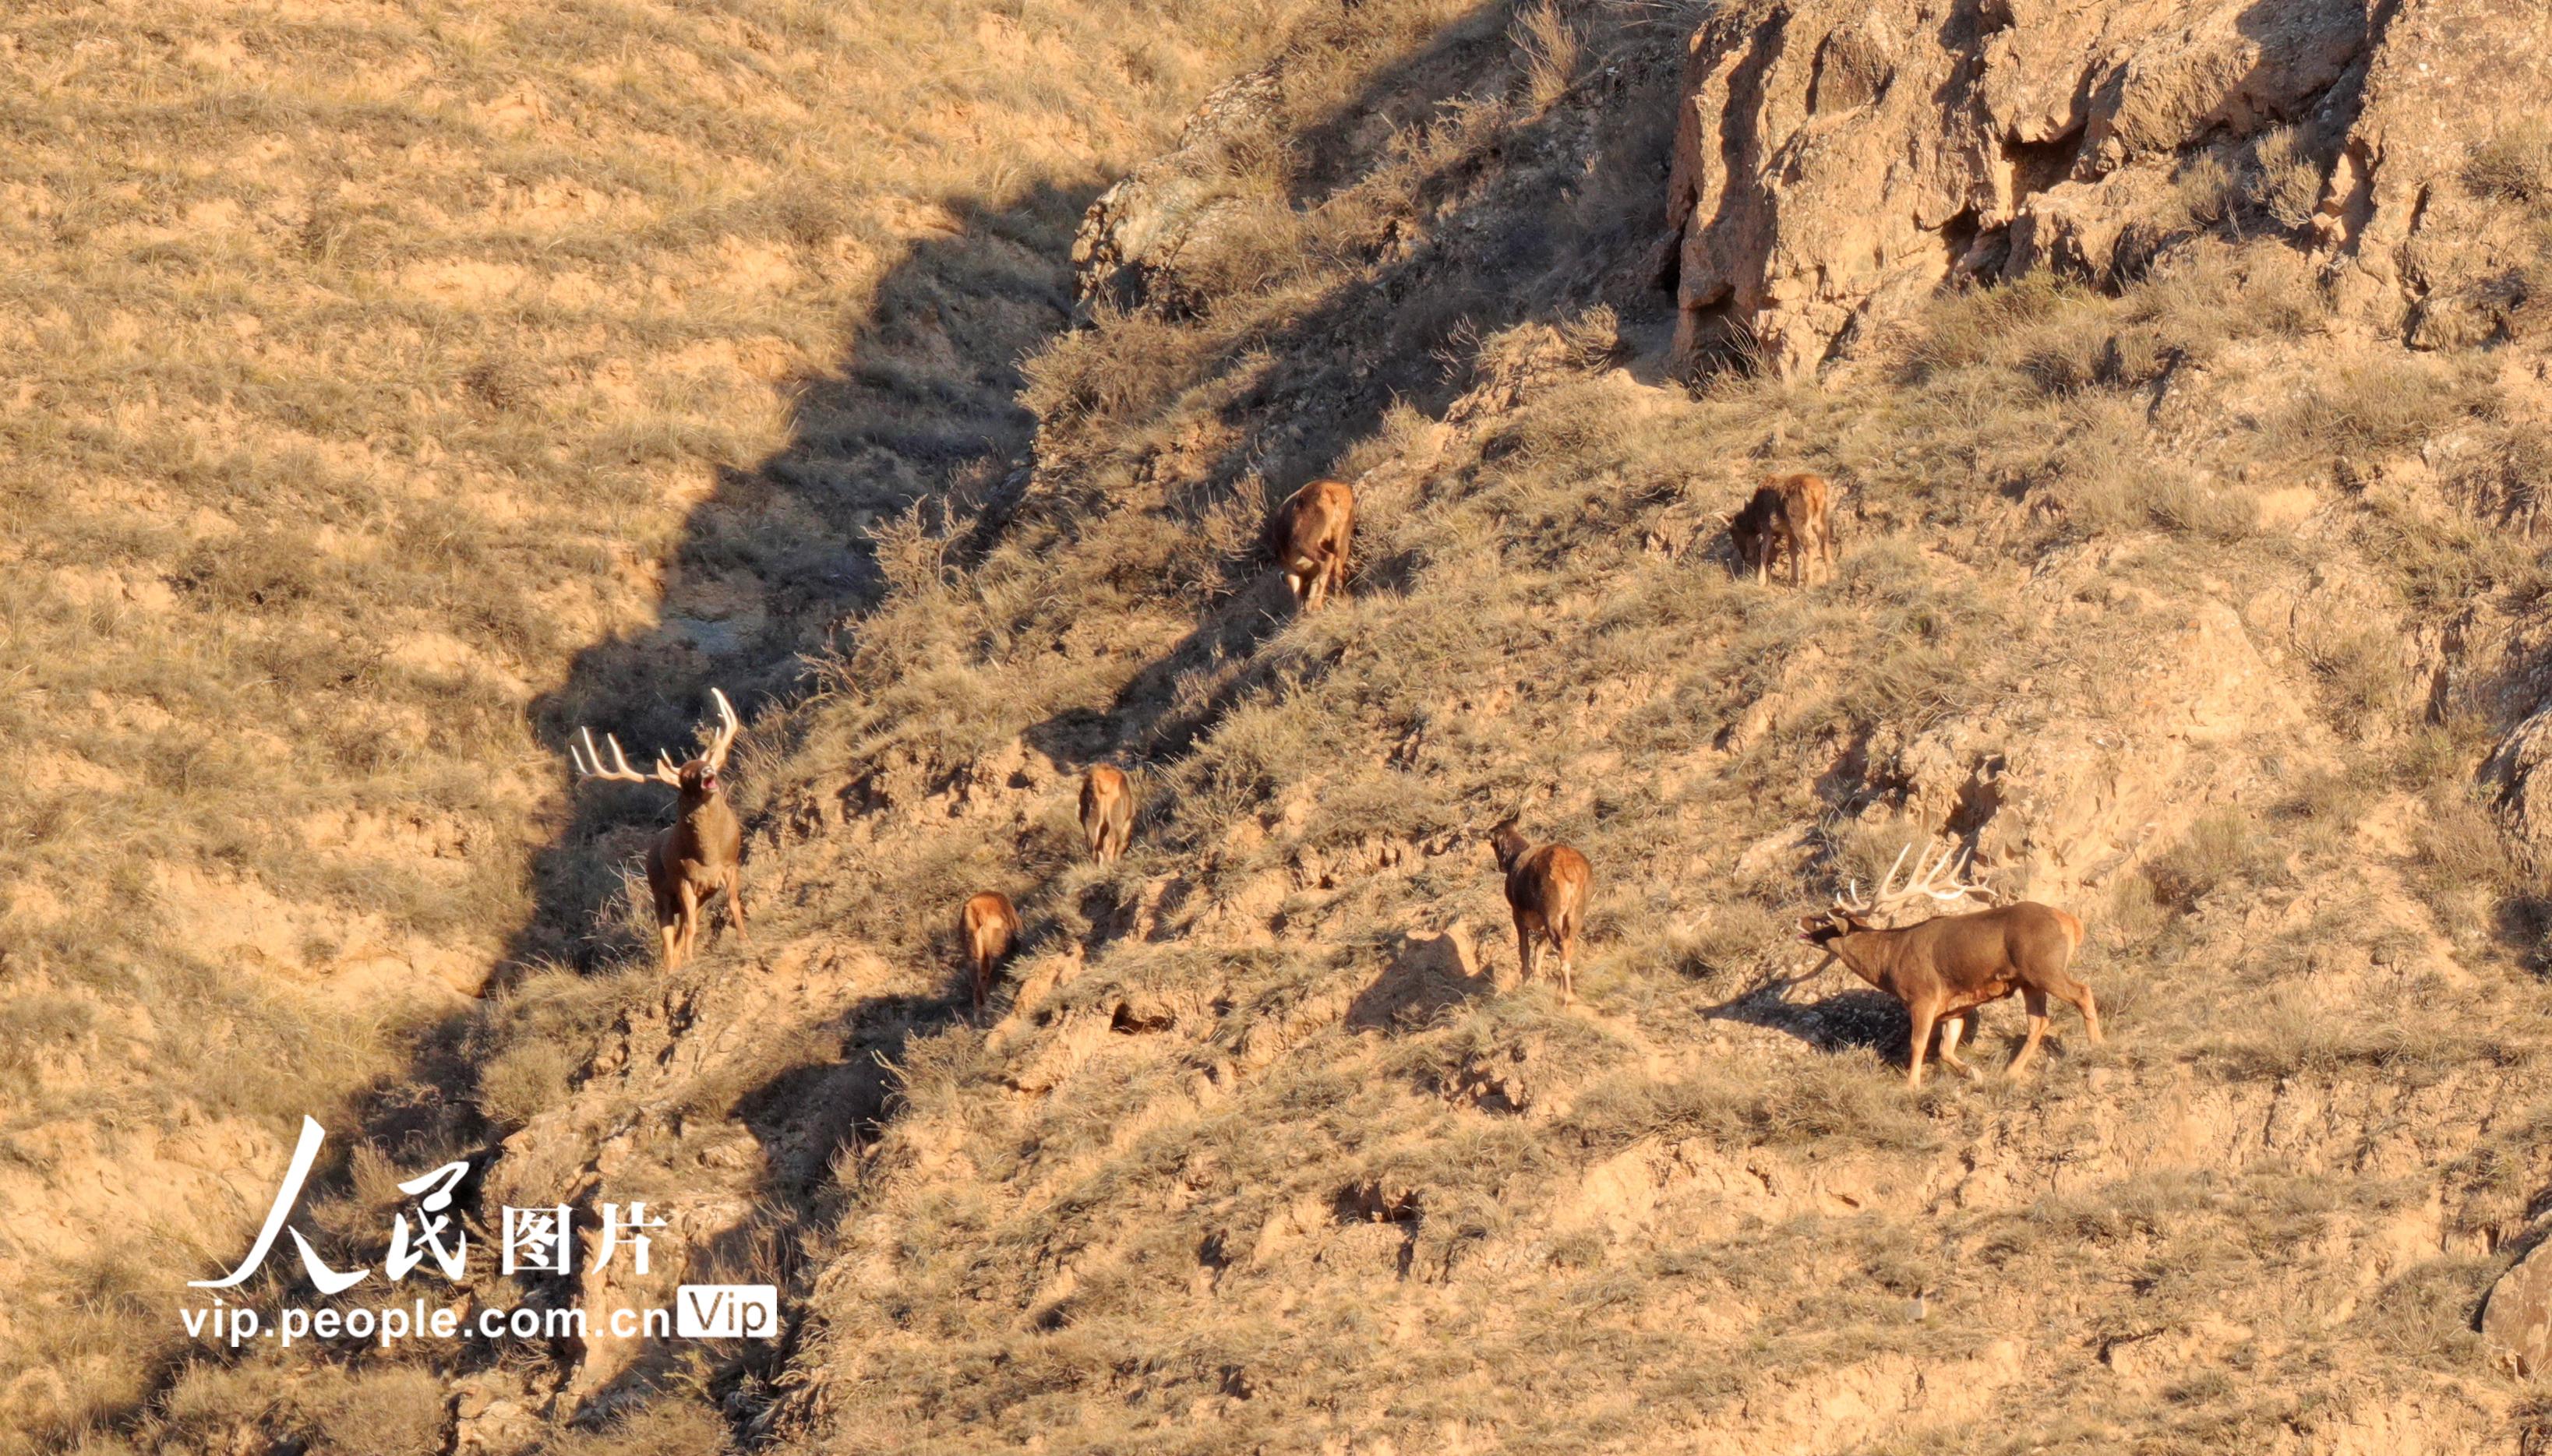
x=1941, y=969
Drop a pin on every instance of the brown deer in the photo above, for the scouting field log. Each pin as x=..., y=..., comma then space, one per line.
x=989, y=926
x=702, y=854
x=1786, y=511
x=1308, y=538
x=1945, y=968
x=1106, y=811
x=1546, y=890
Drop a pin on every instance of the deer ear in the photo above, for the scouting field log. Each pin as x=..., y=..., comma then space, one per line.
x=1813, y=923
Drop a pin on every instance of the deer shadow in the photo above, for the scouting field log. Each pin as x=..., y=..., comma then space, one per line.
x=1855, y=1019
x=1426, y=976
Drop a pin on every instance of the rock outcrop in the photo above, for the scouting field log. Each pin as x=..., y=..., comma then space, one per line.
x=1835, y=160
x=1132, y=238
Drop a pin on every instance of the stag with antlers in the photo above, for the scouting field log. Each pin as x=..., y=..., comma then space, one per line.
x=702, y=854
x=1945, y=968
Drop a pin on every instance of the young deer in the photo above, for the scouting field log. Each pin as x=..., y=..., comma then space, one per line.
x=702, y=854
x=1308, y=538
x=1786, y=511
x=988, y=927
x=1107, y=812
x=1546, y=890
x=1945, y=968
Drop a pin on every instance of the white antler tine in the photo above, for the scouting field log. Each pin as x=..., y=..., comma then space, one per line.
x=587, y=758
x=1888, y=886
x=724, y=738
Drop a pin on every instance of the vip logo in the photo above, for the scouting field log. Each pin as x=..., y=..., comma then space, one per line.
x=726, y=1311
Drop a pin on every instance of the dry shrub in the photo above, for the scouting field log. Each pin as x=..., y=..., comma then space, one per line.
x=2218, y=850
x=386, y=1413
x=1551, y=48
x=2514, y=165
x=2359, y=677
x=2284, y=181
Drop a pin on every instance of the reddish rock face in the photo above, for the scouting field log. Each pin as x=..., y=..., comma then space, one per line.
x=2517, y=1323
x=1837, y=159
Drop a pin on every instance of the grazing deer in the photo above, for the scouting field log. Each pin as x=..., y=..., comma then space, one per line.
x=1546, y=890
x=1945, y=968
x=1787, y=511
x=1106, y=811
x=1308, y=538
x=989, y=926
x=702, y=854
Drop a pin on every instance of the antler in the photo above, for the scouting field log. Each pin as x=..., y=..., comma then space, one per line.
x=1924, y=884
x=589, y=764
x=725, y=736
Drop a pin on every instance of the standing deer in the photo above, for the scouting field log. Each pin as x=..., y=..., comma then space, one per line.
x=1106, y=811
x=1945, y=968
x=1785, y=511
x=988, y=926
x=703, y=853
x=1308, y=538
x=1546, y=890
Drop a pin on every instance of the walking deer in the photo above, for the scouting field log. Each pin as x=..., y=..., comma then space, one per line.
x=702, y=854
x=1546, y=890
x=1308, y=538
x=1945, y=968
x=988, y=926
x=1106, y=811
x=1785, y=511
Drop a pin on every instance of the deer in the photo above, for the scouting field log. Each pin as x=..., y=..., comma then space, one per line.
x=1546, y=890
x=1309, y=536
x=702, y=854
x=988, y=927
x=1786, y=511
x=1945, y=968
x=1106, y=811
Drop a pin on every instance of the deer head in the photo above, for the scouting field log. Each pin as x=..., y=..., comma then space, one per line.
x=695, y=780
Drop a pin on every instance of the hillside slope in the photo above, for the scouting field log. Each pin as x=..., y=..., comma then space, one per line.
x=2187, y=602
x=2194, y=594
x=388, y=387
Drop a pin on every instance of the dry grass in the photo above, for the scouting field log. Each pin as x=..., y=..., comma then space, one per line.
x=392, y=386
x=1303, y=1145
x=1265, y=1155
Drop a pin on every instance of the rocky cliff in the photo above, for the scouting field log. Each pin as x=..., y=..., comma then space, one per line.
x=1834, y=162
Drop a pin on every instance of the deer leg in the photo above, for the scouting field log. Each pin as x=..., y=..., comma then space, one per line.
x=735, y=906
x=2036, y=1000
x=1567, y=942
x=688, y=923
x=1924, y=1016
x=1524, y=952
x=1951, y=1030
x=670, y=952
x=2068, y=989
